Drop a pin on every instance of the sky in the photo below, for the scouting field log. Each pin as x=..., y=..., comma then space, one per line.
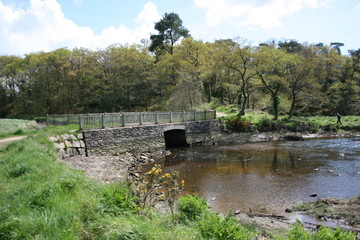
x=28, y=26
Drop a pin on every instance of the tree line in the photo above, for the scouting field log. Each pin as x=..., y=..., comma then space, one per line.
x=173, y=71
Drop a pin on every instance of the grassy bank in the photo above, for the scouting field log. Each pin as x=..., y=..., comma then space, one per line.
x=41, y=198
x=11, y=127
x=256, y=121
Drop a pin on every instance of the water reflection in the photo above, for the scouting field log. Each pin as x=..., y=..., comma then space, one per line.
x=268, y=177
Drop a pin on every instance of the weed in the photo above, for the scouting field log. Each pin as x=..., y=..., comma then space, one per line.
x=191, y=208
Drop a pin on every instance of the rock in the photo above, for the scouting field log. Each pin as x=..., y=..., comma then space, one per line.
x=82, y=144
x=62, y=154
x=212, y=199
x=288, y=210
x=82, y=152
x=68, y=144
x=65, y=136
x=72, y=137
x=80, y=136
x=59, y=145
x=52, y=139
x=76, y=144
x=237, y=212
x=313, y=195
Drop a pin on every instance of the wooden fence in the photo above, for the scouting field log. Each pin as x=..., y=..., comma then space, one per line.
x=105, y=120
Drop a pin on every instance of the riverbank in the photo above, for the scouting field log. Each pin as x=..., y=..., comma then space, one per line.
x=109, y=169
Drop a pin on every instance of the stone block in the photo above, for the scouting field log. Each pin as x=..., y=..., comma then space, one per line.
x=76, y=144
x=53, y=139
x=68, y=144
x=80, y=136
x=59, y=145
x=65, y=136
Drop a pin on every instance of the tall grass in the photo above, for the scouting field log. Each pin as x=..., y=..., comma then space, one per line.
x=10, y=127
x=41, y=198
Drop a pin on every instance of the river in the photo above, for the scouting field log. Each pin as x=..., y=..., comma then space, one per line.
x=268, y=177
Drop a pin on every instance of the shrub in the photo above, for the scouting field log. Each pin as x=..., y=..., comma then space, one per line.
x=238, y=124
x=265, y=125
x=118, y=198
x=191, y=208
x=299, y=233
x=214, y=227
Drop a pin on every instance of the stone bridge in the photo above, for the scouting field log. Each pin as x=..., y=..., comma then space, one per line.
x=149, y=138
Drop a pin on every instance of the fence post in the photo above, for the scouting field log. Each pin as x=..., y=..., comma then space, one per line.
x=194, y=115
x=171, y=117
x=156, y=118
x=81, y=122
x=103, y=120
x=47, y=119
x=214, y=114
x=140, y=118
x=184, y=116
x=123, y=120
x=68, y=118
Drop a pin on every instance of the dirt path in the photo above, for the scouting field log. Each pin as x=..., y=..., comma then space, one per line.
x=6, y=141
x=220, y=114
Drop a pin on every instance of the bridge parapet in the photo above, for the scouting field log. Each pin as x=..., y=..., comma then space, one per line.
x=122, y=119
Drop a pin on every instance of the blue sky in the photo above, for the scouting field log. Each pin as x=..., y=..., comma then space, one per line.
x=45, y=25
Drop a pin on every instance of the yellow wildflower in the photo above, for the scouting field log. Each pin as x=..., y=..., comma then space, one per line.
x=182, y=183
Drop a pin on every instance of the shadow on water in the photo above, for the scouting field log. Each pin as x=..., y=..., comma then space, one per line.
x=268, y=177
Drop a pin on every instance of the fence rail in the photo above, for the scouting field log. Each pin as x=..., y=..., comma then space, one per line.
x=105, y=120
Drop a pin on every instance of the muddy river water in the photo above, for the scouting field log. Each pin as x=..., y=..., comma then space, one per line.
x=268, y=177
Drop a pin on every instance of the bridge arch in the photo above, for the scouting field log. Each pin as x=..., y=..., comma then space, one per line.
x=175, y=138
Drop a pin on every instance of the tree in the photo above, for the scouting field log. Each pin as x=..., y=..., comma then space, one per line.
x=271, y=69
x=170, y=30
x=237, y=57
x=291, y=46
x=300, y=79
x=9, y=82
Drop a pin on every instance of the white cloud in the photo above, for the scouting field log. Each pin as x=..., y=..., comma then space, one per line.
x=43, y=27
x=264, y=13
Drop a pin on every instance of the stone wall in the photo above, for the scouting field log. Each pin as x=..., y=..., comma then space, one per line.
x=146, y=138
x=69, y=145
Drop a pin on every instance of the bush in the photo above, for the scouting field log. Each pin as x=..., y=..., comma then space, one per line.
x=265, y=125
x=214, y=227
x=238, y=124
x=299, y=233
x=118, y=198
x=191, y=208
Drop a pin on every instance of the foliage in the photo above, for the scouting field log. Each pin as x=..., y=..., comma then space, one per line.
x=213, y=226
x=298, y=233
x=16, y=127
x=170, y=31
x=288, y=77
x=191, y=208
x=118, y=198
x=238, y=124
x=155, y=186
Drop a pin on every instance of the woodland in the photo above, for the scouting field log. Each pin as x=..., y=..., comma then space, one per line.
x=173, y=71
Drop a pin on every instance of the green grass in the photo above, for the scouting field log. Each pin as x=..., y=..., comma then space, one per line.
x=10, y=127
x=264, y=122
